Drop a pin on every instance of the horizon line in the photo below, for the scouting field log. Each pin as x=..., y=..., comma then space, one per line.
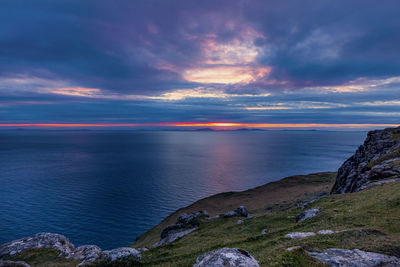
x=203, y=124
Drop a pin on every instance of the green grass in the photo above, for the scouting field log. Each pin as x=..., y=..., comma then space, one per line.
x=44, y=257
x=369, y=220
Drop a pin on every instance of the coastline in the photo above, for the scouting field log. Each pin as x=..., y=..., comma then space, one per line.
x=256, y=199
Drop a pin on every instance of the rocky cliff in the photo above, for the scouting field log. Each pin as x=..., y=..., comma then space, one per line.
x=377, y=161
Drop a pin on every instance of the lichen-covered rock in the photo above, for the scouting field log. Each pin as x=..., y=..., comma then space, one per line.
x=13, y=264
x=122, y=253
x=87, y=254
x=325, y=232
x=307, y=214
x=226, y=257
x=41, y=240
x=377, y=159
x=354, y=258
x=185, y=224
x=299, y=235
x=174, y=235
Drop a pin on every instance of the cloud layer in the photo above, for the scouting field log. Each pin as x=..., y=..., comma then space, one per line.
x=158, y=61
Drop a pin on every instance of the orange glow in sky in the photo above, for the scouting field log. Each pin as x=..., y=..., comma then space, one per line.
x=204, y=124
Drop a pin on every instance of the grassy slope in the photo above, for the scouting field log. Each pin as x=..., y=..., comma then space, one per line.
x=371, y=219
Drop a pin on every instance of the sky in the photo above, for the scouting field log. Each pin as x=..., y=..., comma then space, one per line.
x=250, y=63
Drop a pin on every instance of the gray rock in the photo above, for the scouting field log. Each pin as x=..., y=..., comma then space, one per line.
x=41, y=240
x=354, y=258
x=325, y=232
x=87, y=254
x=229, y=214
x=122, y=253
x=299, y=235
x=142, y=249
x=380, y=150
x=305, y=202
x=13, y=264
x=172, y=236
x=263, y=231
x=242, y=211
x=240, y=221
x=185, y=224
x=307, y=214
x=226, y=257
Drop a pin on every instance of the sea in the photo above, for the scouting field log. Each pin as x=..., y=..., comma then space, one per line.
x=109, y=187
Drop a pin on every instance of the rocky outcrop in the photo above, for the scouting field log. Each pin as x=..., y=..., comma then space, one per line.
x=354, y=258
x=86, y=254
x=307, y=214
x=121, y=253
x=299, y=235
x=185, y=224
x=241, y=212
x=377, y=159
x=41, y=240
x=229, y=257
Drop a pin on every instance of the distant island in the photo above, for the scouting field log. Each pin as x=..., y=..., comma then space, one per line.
x=348, y=218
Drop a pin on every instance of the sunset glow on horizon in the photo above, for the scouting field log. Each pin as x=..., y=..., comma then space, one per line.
x=202, y=124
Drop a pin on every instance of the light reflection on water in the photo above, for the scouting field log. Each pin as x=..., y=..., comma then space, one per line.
x=106, y=188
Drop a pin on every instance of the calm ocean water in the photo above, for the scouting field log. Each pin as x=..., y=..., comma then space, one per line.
x=108, y=187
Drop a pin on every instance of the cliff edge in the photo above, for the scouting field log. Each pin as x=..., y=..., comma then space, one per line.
x=377, y=161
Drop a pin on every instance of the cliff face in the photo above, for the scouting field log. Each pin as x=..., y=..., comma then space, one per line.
x=377, y=160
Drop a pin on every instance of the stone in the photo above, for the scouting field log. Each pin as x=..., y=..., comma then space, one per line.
x=354, y=258
x=377, y=159
x=87, y=254
x=299, y=235
x=172, y=236
x=325, y=232
x=142, y=249
x=263, y=231
x=13, y=264
x=229, y=214
x=240, y=221
x=242, y=211
x=293, y=248
x=229, y=257
x=122, y=253
x=40, y=240
x=307, y=214
x=185, y=224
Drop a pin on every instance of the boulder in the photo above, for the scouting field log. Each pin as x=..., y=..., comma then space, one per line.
x=354, y=258
x=122, y=253
x=325, y=232
x=240, y=222
x=185, y=224
x=242, y=211
x=229, y=214
x=172, y=236
x=13, y=264
x=307, y=214
x=299, y=235
x=377, y=159
x=263, y=231
x=226, y=257
x=41, y=240
x=87, y=254
x=293, y=248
